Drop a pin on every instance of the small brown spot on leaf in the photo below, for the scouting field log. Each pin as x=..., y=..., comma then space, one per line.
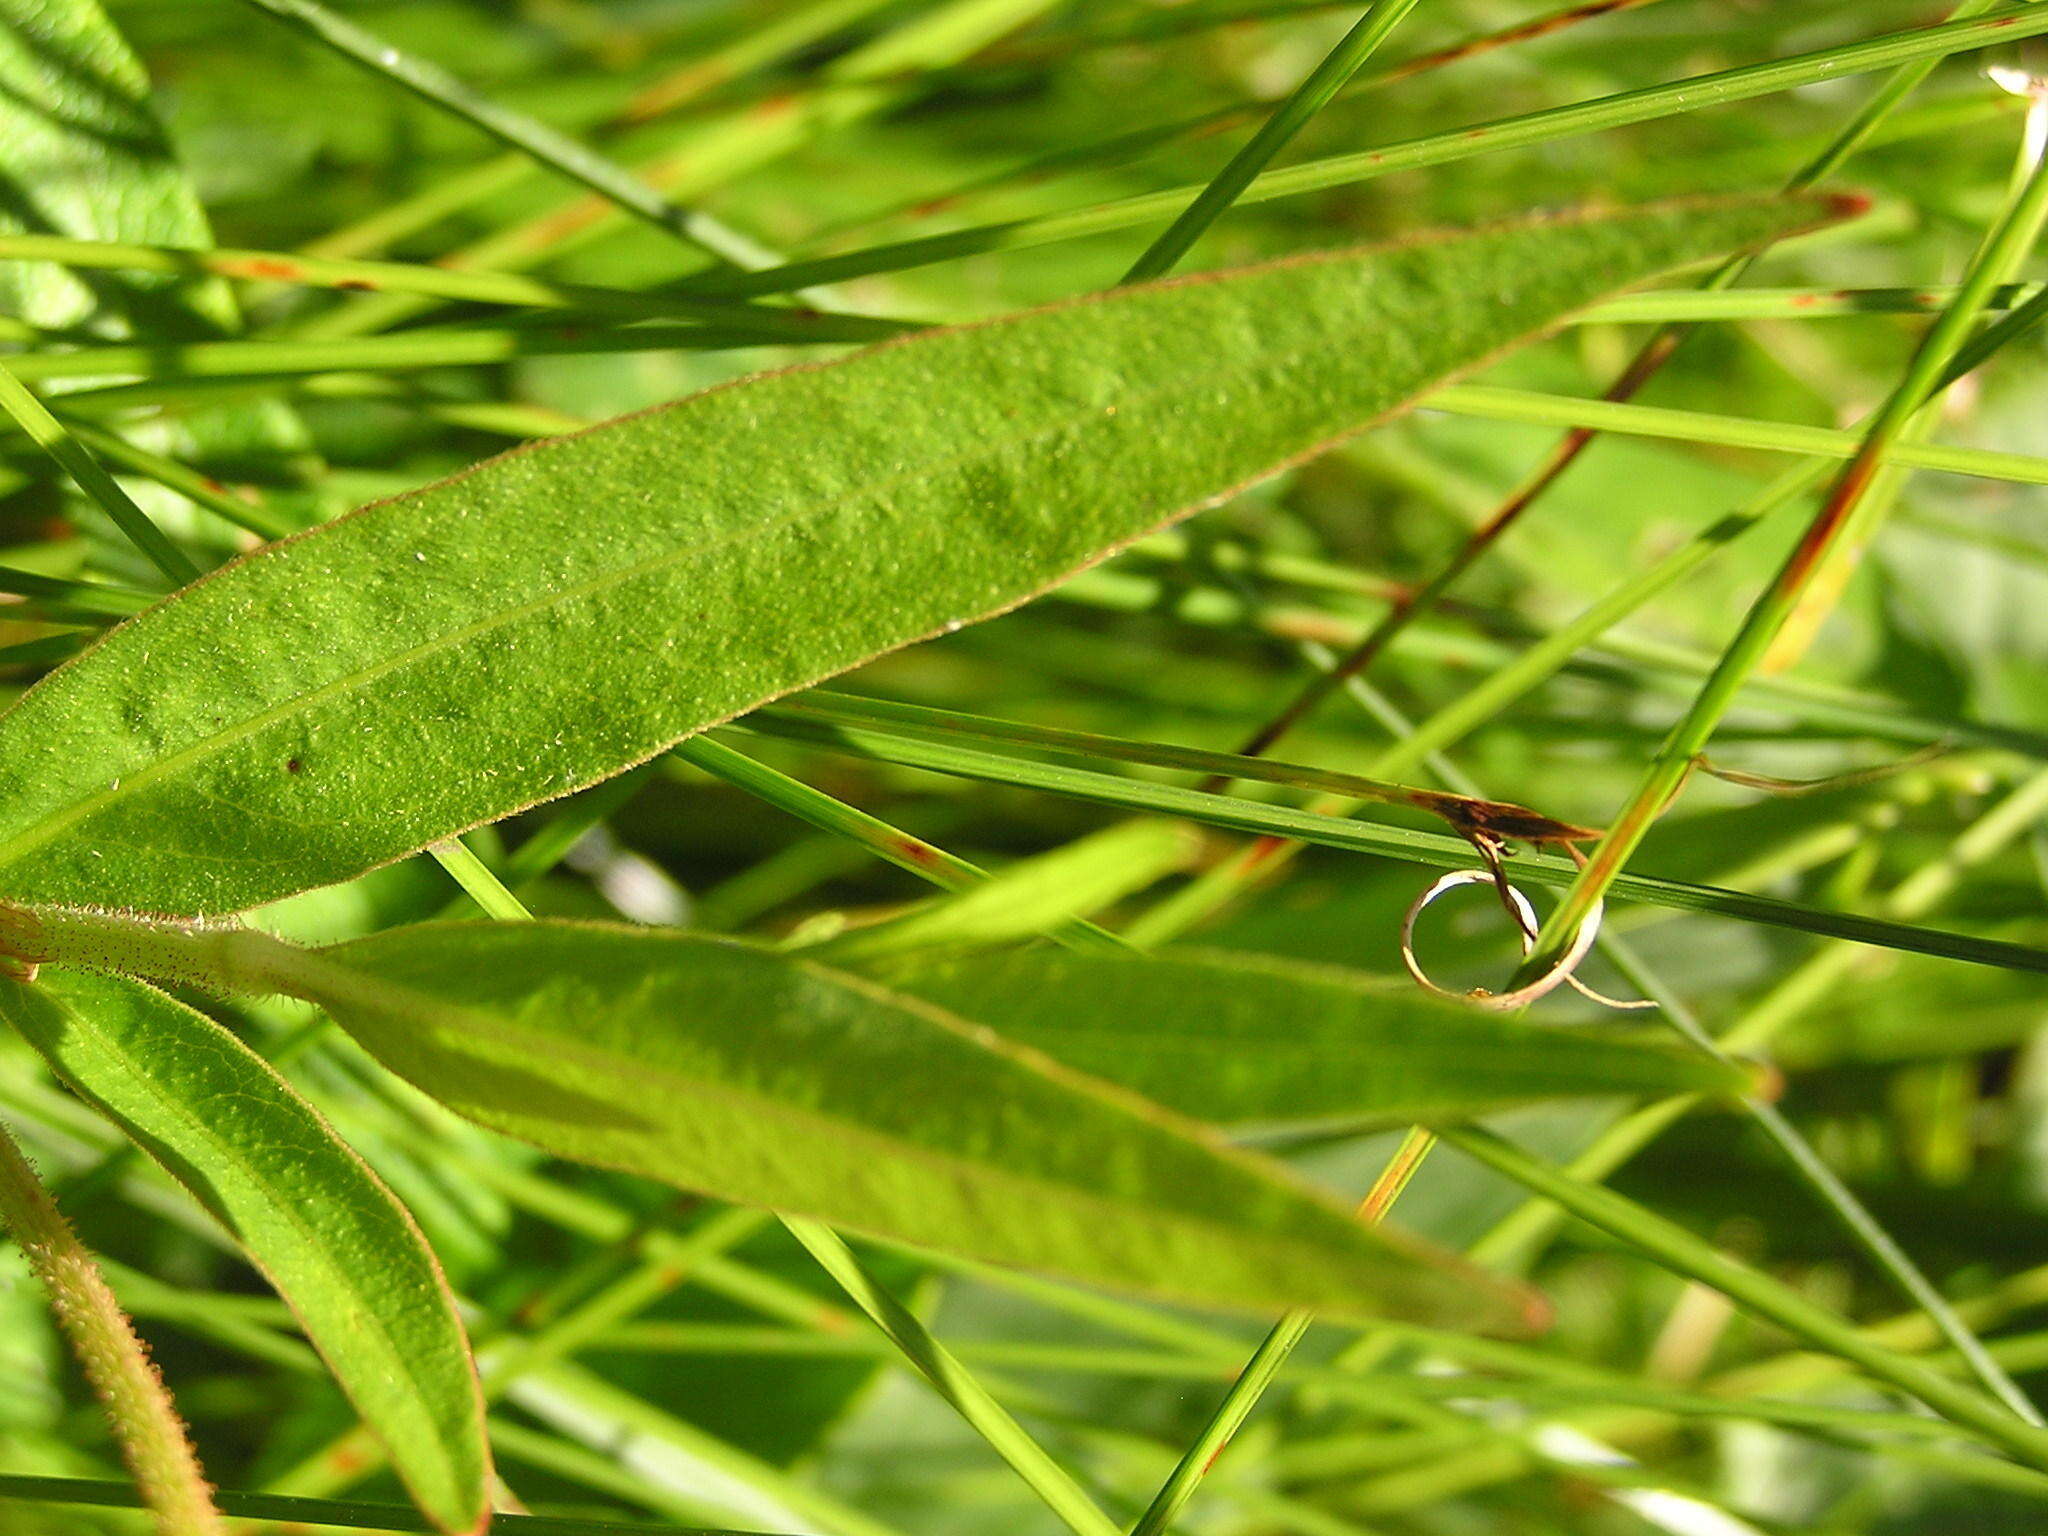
x=911, y=851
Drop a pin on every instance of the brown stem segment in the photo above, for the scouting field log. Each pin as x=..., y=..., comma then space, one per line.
x=152, y=1437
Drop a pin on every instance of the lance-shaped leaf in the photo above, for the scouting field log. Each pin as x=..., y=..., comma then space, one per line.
x=1238, y=1038
x=552, y=616
x=767, y=1080
x=340, y=1249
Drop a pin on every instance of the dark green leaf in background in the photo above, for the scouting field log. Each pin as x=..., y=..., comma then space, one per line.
x=85, y=156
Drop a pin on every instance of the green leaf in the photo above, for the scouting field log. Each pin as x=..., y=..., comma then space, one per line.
x=337, y=1245
x=83, y=154
x=322, y=706
x=766, y=1080
x=1240, y=1038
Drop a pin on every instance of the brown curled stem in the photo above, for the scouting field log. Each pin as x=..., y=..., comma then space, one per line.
x=1564, y=973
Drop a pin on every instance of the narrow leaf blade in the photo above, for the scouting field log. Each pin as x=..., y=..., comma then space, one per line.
x=569, y=609
x=340, y=1249
x=769, y=1081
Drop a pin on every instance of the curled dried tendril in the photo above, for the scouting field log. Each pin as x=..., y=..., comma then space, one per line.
x=1561, y=974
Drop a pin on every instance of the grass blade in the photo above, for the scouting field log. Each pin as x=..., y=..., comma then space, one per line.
x=1274, y=135
x=49, y=434
x=1433, y=849
x=557, y=151
x=2009, y=24
x=1675, y=1248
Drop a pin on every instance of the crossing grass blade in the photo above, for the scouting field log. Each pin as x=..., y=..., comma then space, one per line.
x=83, y=154
x=1359, y=836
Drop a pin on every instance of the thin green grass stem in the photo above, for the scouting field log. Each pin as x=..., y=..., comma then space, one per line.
x=567, y=156
x=49, y=434
x=2009, y=24
x=1279, y=130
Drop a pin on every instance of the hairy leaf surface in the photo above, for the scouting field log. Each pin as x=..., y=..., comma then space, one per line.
x=1239, y=1038
x=770, y=1081
x=550, y=617
x=334, y=1241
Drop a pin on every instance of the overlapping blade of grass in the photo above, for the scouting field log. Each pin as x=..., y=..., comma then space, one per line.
x=1028, y=899
x=1287, y=120
x=739, y=55
x=1122, y=148
x=1828, y=1188
x=926, y=860
x=1463, y=813
x=2006, y=821
x=1705, y=428
x=50, y=435
x=88, y=158
x=1649, y=360
x=1671, y=1245
x=456, y=285
x=1846, y=515
x=560, y=153
x=885, y=72
x=968, y=1396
